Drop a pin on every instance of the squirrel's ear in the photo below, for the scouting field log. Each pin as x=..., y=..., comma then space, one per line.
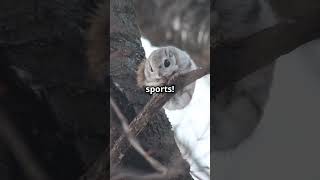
x=170, y=53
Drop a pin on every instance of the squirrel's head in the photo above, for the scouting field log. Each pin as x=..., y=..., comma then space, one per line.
x=162, y=63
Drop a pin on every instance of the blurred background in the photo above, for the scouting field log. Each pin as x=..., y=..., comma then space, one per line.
x=285, y=144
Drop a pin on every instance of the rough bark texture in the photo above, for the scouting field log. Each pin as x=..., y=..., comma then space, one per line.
x=125, y=55
x=182, y=23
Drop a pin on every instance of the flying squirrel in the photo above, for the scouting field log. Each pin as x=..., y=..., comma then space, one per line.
x=160, y=66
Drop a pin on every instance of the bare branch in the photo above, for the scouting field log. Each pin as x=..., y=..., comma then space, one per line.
x=134, y=142
x=151, y=108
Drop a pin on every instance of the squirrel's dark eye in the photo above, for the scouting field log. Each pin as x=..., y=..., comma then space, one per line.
x=166, y=63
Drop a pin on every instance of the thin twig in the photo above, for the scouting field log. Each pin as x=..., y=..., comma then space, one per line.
x=134, y=142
